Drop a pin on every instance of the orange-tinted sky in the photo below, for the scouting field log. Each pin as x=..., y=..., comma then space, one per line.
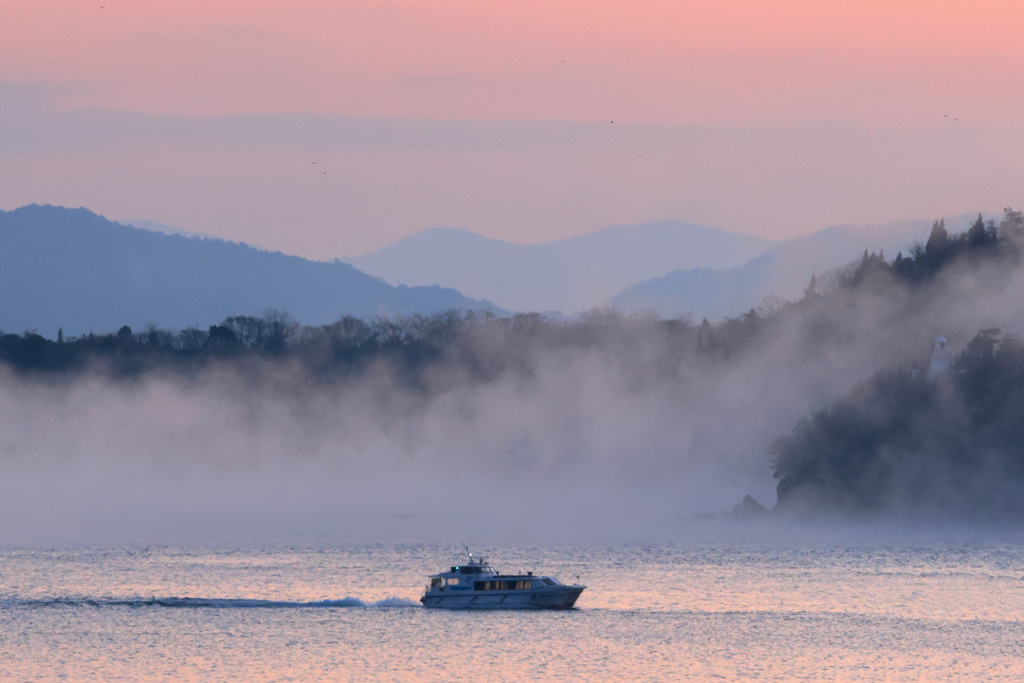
x=814, y=113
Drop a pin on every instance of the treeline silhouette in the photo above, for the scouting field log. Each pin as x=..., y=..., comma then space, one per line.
x=983, y=240
x=477, y=346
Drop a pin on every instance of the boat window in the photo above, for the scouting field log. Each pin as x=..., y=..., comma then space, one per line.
x=435, y=582
x=520, y=584
x=548, y=581
x=451, y=581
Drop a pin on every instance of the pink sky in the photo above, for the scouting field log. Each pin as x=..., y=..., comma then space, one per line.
x=813, y=113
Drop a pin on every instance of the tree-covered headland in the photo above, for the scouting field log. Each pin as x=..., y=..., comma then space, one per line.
x=914, y=441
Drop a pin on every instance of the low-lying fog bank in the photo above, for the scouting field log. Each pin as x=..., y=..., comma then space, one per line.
x=464, y=426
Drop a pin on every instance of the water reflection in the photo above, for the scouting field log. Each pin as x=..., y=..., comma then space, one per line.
x=940, y=611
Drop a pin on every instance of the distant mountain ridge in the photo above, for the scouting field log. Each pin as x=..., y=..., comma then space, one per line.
x=153, y=226
x=76, y=270
x=567, y=275
x=784, y=270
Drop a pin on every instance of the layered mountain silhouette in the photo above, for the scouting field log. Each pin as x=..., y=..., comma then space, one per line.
x=567, y=275
x=673, y=269
x=784, y=271
x=76, y=270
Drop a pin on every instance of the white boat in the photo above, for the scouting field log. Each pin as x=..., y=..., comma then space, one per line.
x=478, y=585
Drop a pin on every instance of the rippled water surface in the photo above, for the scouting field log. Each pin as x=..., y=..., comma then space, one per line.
x=948, y=610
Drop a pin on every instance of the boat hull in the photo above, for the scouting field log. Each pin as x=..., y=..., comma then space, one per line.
x=560, y=597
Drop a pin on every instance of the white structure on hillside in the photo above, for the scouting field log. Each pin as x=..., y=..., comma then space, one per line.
x=941, y=359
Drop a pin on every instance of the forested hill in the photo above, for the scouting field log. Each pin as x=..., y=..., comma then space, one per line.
x=72, y=269
x=923, y=440
x=906, y=445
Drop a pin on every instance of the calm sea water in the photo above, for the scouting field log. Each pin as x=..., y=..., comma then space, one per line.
x=948, y=610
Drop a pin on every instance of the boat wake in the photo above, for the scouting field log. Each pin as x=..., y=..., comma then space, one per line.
x=204, y=603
